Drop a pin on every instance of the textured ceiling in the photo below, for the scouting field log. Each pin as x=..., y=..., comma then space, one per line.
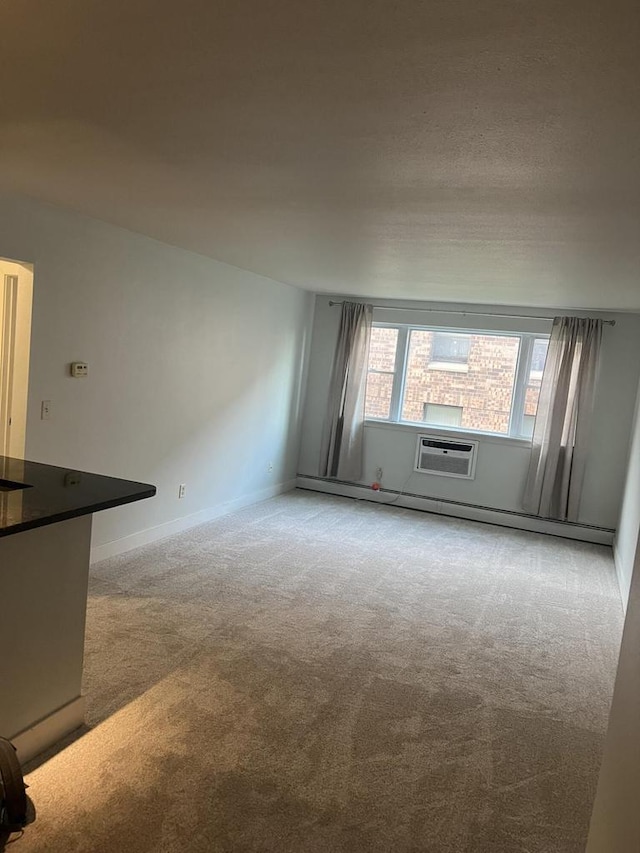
x=483, y=151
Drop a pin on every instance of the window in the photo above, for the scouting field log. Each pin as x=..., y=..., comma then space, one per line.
x=446, y=347
x=382, y=360
x=477, y=381
x=534, y=380
x=434, y=413
x=539, y=355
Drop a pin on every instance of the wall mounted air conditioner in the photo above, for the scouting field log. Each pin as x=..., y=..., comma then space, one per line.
x=446, y=457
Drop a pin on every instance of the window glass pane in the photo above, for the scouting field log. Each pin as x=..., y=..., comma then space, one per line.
x=450, y=347
x=483, y=392
x=382, y=362
x=442, y=415
x=382, y=349
x=532, y=391
x=378, y=399
x=539, y=356
x=527, y=426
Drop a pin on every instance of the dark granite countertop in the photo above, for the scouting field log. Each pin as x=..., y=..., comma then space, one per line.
x=33, y=494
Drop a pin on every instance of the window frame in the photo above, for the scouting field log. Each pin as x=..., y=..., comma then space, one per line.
x=520, y=382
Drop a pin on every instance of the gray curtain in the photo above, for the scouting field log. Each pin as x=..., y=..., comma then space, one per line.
x=561, y=431
x=342, y=438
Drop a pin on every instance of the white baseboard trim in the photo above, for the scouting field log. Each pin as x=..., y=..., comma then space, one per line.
x=503, y=518
x=623, y=581
x=42, y=735
x=178, y=525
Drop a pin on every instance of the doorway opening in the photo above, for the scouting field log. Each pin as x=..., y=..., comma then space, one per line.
x=16, y=297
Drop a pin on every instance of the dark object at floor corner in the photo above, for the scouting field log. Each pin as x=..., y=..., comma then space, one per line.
x=13, y=798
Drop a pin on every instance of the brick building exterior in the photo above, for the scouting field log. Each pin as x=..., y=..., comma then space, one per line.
x=470, y=387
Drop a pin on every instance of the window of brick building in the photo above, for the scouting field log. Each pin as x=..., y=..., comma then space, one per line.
x=452, y=348
x=435, y=413
x=475, y=381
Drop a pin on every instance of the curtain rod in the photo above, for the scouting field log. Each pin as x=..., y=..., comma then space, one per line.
x=467, y=313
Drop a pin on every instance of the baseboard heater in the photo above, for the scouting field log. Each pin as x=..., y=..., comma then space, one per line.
x=460, y=509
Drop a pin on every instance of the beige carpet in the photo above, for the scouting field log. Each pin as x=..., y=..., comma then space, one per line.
x=314, y=675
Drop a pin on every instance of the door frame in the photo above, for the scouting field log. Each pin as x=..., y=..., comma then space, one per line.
x=8, y=326
x=16, y=304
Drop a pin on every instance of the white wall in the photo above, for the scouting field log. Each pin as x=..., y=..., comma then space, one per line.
x=626, y=547
x=195, y=367
x=502, y=463
x=615, y=822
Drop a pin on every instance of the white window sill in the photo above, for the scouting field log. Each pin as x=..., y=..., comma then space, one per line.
x=483, y=437
x=450, y=366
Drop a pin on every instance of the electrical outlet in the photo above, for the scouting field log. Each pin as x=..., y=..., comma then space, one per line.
x=378, y=474
x=182, y=490
x=45, y=410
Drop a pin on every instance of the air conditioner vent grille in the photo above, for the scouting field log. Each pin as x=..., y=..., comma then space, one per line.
x=445, y=457
x=444, y=464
